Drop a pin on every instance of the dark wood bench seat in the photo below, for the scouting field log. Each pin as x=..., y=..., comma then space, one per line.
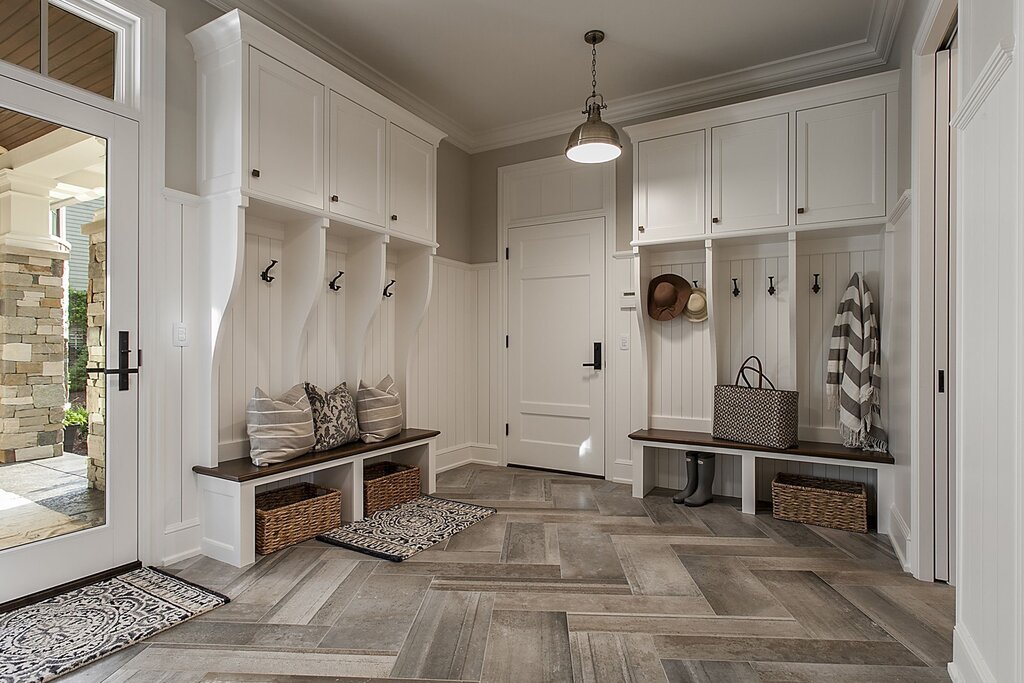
x=814, y=449
x=242, y=469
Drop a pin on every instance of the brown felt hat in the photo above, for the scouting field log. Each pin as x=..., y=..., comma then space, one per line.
x=667, y=296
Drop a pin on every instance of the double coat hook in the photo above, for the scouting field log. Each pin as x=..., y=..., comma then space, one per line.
x=265, y=275
x=388, y=294
x=333, y=284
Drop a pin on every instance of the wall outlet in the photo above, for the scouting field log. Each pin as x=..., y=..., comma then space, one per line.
x=624, y=342
x=179, y=335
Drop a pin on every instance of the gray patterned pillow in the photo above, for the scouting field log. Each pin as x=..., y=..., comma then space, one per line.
x=334, y=416
x=279, y=429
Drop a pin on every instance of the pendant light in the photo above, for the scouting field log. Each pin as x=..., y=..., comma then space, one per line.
x=593, y=141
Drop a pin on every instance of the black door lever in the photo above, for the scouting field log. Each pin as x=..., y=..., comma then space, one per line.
x=597, y=357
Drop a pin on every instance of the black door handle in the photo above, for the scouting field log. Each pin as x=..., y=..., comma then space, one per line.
x=122, y=371
x=597, y=357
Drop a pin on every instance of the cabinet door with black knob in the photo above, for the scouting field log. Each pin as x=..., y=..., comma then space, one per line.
x=750, y=174
x=411, y=173
x=670, y=197
x=358, y=161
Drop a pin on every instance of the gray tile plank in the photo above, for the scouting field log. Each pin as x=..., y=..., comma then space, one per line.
x=531, y=543
x=611, y=657
x=691, y=625
x=380, y=615
x=785, y=672
x=654, y=570
x=585, y=552
x=448, y=638
x=696, y=671
x=815, y=651
x=527, y=646
x=730, y=588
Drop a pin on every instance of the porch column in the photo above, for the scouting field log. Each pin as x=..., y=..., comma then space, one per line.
x=33, y=350
x=96, y=341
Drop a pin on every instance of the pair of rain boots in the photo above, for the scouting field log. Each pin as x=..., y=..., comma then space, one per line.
x=700, y=475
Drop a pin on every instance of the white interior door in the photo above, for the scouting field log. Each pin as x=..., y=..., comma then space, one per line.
x=62, y=547
x=556, y=323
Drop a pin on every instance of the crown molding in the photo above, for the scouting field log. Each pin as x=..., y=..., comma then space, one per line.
x=871, y=52
x=988, y=78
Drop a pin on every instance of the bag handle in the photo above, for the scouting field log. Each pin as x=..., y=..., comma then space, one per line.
x=762, y=378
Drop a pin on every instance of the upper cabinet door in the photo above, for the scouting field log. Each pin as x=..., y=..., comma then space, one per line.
x=286, y=132
x=750, y=174
x=671, y=187
x=412, y=184
x=840, y=169
x=358, y=162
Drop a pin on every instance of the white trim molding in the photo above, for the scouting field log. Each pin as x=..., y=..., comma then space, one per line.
x=968, y=666
x=998, y=63
x=872, y=51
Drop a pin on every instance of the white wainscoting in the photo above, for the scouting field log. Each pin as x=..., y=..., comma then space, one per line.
x=323, y=349
x=379, y=357
x=453, y=369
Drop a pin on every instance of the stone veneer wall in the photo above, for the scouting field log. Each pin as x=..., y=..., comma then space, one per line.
x=32, y=354
x=96, y=341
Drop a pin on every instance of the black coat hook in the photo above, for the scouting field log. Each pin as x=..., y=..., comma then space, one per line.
x=695, y=284
x=334, y=283
x=771, y=285
x=265, y=275
x=735, y=287
x=387, y=294
x=816, y=287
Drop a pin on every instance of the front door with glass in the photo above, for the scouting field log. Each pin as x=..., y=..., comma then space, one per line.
x=68, y=328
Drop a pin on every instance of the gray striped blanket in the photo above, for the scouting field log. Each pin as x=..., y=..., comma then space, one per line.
x=854, y=381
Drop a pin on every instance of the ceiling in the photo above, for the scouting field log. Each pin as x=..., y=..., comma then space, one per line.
x=494, y=72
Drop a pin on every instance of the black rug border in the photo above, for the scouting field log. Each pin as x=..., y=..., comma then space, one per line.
x=195, y=585
x=397, y=558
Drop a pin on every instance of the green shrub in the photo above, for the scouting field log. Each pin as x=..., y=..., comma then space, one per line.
x=77, y=307
x=76, y=415
x=76, y=372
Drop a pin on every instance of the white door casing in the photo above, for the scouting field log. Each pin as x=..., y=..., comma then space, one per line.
x=671, y=187
x=54, y=561
x=358, y=162
x=286, y=111
x=750, y=174
x=556, y=313
x=841, y=161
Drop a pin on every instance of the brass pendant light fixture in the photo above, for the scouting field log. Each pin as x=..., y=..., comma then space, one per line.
x=593, y=141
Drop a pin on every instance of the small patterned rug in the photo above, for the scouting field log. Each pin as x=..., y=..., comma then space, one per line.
x=50, y=638
x=400, y=532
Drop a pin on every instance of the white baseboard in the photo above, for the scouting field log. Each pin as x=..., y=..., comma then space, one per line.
x=899, y=537
x=181, y=541
x=464, y=454
x=968, y=666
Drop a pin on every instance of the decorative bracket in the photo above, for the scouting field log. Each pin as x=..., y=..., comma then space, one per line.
x=265, y=275
x=334, y=283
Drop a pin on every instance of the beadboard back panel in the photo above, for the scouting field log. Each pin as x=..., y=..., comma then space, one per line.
x=755, y=323
x=682, y=365
x=454, y=365
x=323, y=348
x=251, y=343
x=379, y=356
x=835, y=261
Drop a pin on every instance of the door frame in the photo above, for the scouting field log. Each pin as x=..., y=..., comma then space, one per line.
x=141, y=25
x=504, y=222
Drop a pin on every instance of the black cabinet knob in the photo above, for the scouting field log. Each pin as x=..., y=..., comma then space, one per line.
x=800, y=210
x=334, y=197
x=394, y=216
x=255, y=173
x=640, y=228
x=714, y=220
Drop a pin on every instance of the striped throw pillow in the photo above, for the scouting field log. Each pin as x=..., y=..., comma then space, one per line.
x=379, y=410
x=279, y=429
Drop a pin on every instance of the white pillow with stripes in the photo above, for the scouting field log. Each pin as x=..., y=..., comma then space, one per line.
x=279, y=429
x=379, y=411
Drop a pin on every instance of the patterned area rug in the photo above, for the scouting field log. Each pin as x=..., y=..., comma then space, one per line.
x=400, y=532
x=50, y=638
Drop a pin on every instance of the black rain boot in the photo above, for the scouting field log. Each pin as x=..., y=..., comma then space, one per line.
x=706, y=478
x=691, y=478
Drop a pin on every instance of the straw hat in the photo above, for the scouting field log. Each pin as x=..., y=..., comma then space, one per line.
x=696, y=310
x=667, y=296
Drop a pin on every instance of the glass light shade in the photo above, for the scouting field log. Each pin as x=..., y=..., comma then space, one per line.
x=593, y=141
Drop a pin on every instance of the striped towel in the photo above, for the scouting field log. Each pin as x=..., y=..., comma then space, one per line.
x=854, y=380
x=379, y=411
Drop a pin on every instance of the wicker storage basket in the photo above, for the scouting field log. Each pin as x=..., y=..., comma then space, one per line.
x=823, y=502
x=293, y=514
x=387, y=484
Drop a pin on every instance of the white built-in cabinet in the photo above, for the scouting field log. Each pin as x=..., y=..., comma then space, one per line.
x=840, y=161
x=358, y=162
x=286, y=132
x=670, y=173
x=317, y=217
x=750, y=174
x=810, y=159
x=412, y=183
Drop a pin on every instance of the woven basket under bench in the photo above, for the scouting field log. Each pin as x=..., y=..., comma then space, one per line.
x=293, y=514
x=387, y=484
x=822, y=502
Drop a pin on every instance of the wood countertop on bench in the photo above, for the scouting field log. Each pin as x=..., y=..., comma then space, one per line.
x=814, y=449
x=242, y=469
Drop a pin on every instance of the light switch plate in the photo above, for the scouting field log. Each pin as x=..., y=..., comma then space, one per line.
x=624, y=342
x=179, y=335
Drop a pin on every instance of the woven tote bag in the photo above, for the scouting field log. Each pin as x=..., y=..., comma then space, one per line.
x=756, y=415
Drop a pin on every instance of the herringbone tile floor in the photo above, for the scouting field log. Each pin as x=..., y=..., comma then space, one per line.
x=572, y=580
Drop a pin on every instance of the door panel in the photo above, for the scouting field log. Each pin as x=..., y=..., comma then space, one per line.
x=412, y=168
x=556, y=314
x=77, y=499
x=671, y=187
x=750, y=174
x=840, y=169
x=358, y=184
x=286, y=132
